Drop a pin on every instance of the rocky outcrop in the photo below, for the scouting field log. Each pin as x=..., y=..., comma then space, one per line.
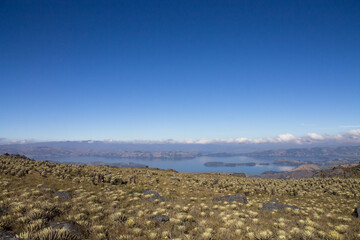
x=10, y=235
x=158, y=218
x=231, y=198
x=356, y=212
x=155, y=196
x=63, y=196
x=239, y=174
x=71, y=226
x=275, y=205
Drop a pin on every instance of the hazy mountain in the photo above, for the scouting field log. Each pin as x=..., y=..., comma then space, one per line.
x=44, y=150
x=342, y=151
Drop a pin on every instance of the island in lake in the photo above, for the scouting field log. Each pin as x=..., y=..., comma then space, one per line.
x=224, y=164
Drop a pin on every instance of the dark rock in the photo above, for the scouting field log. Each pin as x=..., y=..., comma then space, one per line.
x=239, y=174
x=356, y=212
x=118, y=181
x=71, y=226
x=231, y=198
x=155, y=196
x=158, y=218
x=64, y=196
x=216, y=181
x=275, y=205
x=10, y=235
x=175, y=179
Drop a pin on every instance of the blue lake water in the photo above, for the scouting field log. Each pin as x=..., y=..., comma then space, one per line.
x=185, y=165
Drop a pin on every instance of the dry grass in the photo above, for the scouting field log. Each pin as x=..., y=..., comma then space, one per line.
x=108, y=203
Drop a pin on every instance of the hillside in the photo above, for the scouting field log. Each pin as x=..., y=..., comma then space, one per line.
x=43, y=200
x=309, y=171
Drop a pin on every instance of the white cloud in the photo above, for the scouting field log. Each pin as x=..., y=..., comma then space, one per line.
x=351, y=136
x=355, y=132
x=241, y=140
x=285, y=137
x=315, y=136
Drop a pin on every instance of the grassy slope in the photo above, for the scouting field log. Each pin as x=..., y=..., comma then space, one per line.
x=121, y=212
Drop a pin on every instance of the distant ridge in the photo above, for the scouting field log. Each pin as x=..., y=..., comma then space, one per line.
x=48, y=150
x=342, y=151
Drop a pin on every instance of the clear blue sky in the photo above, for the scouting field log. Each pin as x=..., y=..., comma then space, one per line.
x=178, y=69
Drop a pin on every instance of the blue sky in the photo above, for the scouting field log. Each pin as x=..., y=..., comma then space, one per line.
x=72, y=70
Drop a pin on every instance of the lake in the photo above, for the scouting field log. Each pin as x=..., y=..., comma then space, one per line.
x=185, y=165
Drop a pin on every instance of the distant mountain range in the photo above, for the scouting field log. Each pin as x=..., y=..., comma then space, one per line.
x=51, y=150
x=316, y=152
